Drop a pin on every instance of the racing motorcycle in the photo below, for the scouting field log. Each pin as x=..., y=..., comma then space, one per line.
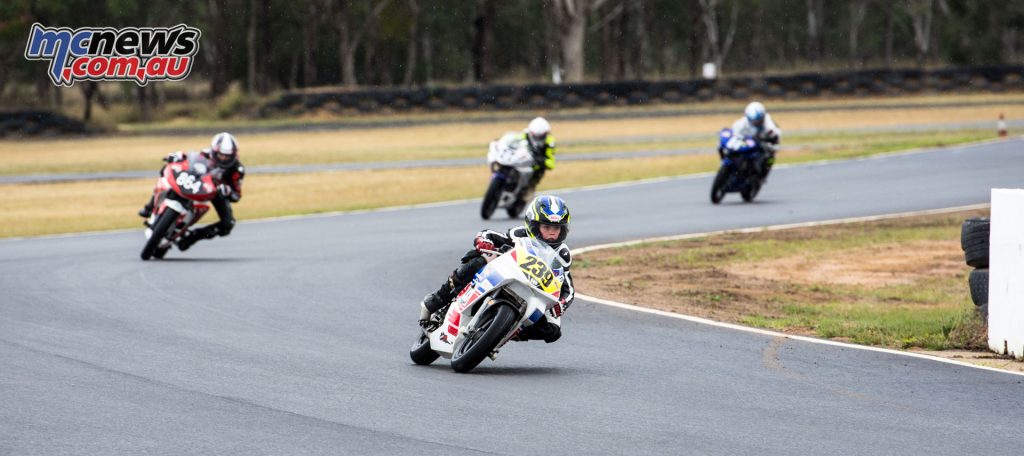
x=511, y=166
x=514, y=291
x=181, y=197
x=740, y=169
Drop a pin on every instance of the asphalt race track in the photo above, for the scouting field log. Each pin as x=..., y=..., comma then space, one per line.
x=292, y=337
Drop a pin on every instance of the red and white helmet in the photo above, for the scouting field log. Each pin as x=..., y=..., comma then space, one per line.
x=224, y=149
x=537, y=132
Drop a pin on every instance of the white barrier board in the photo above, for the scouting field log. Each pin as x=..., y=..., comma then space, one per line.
x=1006, y=273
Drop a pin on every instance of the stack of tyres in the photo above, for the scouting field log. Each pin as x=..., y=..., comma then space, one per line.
x=974, y=235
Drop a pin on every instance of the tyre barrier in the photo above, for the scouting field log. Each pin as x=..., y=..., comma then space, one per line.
x=974, y=241
x=29, y=123
x=548, y=96
x=974, y=235
x=978, y=282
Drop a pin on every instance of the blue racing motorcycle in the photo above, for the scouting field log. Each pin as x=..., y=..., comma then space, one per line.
x=742, y=163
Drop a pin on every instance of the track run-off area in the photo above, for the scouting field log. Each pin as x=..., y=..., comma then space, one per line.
x=291, y=336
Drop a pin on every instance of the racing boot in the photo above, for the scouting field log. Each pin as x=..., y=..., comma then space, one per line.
x=146, y=210
x=186, y=240
x=192, y=236
x=431, y=303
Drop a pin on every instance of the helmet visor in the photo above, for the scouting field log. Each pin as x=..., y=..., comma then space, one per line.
x=223, y=159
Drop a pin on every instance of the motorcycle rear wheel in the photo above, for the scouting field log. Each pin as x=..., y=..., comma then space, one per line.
x=751, y=191
x=470, y=350
x=163, y=223
x=491, y=198
x=516, y=208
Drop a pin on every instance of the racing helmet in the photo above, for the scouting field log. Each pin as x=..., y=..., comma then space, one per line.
x=224, y=150
x=755, y=113
x=537, y=132
x=548, y=210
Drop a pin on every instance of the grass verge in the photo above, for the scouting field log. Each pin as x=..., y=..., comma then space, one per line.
x=898, y=283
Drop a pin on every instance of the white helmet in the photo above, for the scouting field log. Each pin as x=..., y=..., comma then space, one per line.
x=538, y=131
x=224, y=149
x=755, y=113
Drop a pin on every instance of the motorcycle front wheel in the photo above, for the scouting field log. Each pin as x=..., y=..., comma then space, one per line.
x=163, y=223
x=491, y=198
x=718, y=185
x=471, y=349
x=421, y=353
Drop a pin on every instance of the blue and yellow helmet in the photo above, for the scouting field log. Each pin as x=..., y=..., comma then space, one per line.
x=548, y=210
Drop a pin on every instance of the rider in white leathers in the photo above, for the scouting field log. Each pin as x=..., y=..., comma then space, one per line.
x=758, y=124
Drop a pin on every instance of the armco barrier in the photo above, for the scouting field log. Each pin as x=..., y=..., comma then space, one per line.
x=37, y=123
x=547, y=96
x=1006, y=273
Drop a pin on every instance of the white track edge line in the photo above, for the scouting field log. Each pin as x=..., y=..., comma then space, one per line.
x=766, y=332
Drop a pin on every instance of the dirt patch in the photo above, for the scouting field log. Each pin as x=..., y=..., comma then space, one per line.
x=879, y=265
x=898, y=283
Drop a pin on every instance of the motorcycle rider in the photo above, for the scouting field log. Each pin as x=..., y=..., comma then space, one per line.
x=542, y=145
x=229, y=174
x=758, y=124
x=547, y=220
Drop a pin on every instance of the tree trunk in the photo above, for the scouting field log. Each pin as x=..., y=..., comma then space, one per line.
x=695, y=40
x=571, y=22
x=718, y=46
x=372, y=30
x=1009, y=45
x=483, y=41
x=921, y=14
x=141, y=97
x=858, y=11
x=814, y=25
x=88, y=91
x=309, y=43
x=217, y=57
x=346, y=45
x=250, y=43
x=411, y=45
x=428, y=58
x=890, y=24
x=611, y=41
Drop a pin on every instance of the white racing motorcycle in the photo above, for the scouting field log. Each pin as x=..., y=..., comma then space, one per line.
x=512, y=167
x=514, y=291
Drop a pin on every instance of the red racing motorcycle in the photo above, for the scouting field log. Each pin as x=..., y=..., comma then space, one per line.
x=181, y=197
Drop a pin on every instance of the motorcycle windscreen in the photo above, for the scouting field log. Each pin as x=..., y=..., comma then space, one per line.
x=538, y=261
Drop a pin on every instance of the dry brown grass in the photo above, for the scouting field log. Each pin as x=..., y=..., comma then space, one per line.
x=898, y=282
x=436, y=141
x=31, y=209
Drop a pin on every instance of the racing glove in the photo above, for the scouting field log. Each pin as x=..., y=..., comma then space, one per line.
x=174, y=157
x=481, y=243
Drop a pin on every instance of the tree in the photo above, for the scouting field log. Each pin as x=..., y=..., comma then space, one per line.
x=309, y=44
x=483, y=40
x=921, y=14
x=858, y=11
x=815, y=16
x=342, y=13
x=412, y=44
x=718, y=45
x=570, y=17
x=216, y=52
